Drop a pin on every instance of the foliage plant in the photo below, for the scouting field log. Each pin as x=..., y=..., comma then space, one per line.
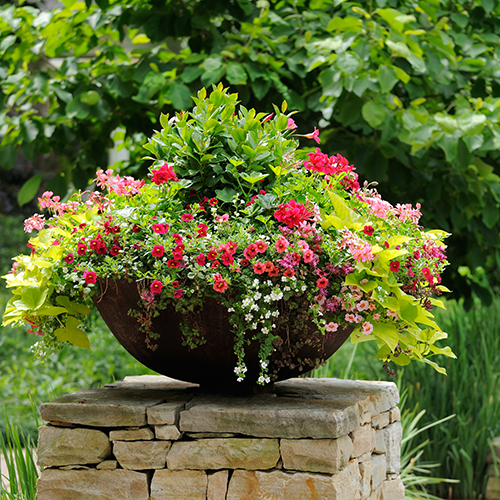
x=406, y=89
x=234, y=210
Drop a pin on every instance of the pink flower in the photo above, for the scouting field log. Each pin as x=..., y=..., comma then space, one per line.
x=69, y=258
x=281, y=245
x=291, y=124
x=261, y=246
x=89, y=277
x=350, y=318
x=428, y=275
x=200, y=259
x=82, y=248
x=160, y=228
x=178, y=294
x=313, y=135
x=156, y=286
x=158, y=251
x=222, y=218
x=331, y=327
x=368, y=230
x=308, y=256
x=186, y=217
x=34, y=222
x=259, y=268
x=363, y=305
x=220, y=285
x=367, y=328
x=164, y=174
x=250, y=251
x=177, y=238
x=202, y=230
x=292, y=213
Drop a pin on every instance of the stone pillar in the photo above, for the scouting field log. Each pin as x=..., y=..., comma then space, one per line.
x=155, y=438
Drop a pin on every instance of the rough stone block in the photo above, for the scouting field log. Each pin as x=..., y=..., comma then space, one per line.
x=365, y=482
x=167, y=432
x=278, y=485
x=363, y=440
x=59, y=446
x=228, y=453
x=316, y=455
x=107, y=465
x=392, y=436
x=268, y=416
x=167, y=413
x=141, y=455
x=379, y=470
x=217, y=485
x=141, y=434
x=104, y=407
x=179, y=485
x=381, y=420
x=391, y=490
x=395, y=414
x=92, y=484
x=379, y=446
x=492, y=488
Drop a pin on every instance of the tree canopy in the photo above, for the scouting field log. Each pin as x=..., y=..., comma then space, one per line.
x=407, y=90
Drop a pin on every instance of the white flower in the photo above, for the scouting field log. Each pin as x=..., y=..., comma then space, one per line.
x=265, y=330
x=229, y=309
x=287, y=288
x=248, y=317
x=268, y=314
x=277, y=295
x=267, y=299
x=275, y=314
x=254, y=307
x=257, y=296
x=263, y=364
x=284, y=279
x=303, y=288
x=261, y=380
x=254, y=326
x=246, y=302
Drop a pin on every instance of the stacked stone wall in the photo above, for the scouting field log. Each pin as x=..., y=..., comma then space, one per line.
x=153, y=438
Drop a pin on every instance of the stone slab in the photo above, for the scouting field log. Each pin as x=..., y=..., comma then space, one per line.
x=217, y=485
x=167, y=432
x=141, y=455
x=141, y=434
x=363, y=440
x=104, y=407
x=225, y=453
x=179, y=485
x=316, y=455
x=279, y=485
x=269, y=416
x=58, y=446
x=167, y=413
x=54, y=484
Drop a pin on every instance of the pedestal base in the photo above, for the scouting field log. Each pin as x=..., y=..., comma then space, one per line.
x=154, y=438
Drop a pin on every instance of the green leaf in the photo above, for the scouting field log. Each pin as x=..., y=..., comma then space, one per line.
x=33, y=297
x=471, y=123
x=180, y=95
x=345, y=24
x=8, y=156
x=348, y=63
x=236, y=74
x=387, y=78
x=72, y=307
x=90, y=97
x=29, y=189
x=227, y=194
x=374, y=113
x=77, y=108
x=491, y=215
x=388, y=333
x=140, y=39
x=71, y=333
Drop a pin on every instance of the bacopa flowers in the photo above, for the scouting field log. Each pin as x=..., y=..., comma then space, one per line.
x=291, y=244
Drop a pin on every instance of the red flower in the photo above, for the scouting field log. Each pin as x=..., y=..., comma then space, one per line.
x=136, y=228
x=394, y=265
x=261, y=246
x=212, y=254
x=213, y=201
x=244, y=263
x=177, y=238
x=115, y=229
x=156, y=286
x=69, y=258
x=322, y=283
x=164, y=174
x=220, y=285
x=227, y=258
x=158, y=251
x=268, y=266
x=273, y=272
x=160, y=228
x=114, y=250
x=202, y=230
x=186, y=217
x=200, y=259
x=281, y=245
x=292, y=213
x=101, y=249
x=428, y=275
x=175, y=284
x=178, y=294
x=259, y=268
x=177, y=253
x=289, y=273
x=173, y=263
x=250, y=251
x=82, y=248
x=368, y=230
x=89, y=277
x=231, y=247
x=215, y=264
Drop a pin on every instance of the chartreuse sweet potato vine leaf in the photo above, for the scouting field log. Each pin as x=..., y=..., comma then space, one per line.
x=71, y=333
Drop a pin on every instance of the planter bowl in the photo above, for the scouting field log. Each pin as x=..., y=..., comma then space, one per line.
x=211, y=364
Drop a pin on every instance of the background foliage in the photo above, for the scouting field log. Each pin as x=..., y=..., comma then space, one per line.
x=406, y=89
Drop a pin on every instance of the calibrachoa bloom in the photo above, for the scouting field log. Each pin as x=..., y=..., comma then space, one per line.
x=156, y=286
x=89, y=277
x=292, y=213
x=164, y=174
x=158, y=251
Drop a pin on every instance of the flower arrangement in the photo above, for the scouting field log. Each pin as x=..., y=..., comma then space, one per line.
x=234, y=210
